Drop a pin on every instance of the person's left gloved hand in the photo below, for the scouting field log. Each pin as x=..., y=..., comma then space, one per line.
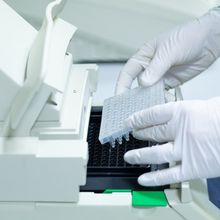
x=175, y=56
x=192, y=129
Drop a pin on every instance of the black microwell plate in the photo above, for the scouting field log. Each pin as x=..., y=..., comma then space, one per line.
x=106, y=167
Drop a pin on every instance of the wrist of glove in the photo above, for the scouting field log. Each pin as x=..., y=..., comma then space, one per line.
x=192, y=130
x=176, y=56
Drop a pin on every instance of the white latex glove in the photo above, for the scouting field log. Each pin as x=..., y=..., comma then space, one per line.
x=176, y=56
x=193, y=131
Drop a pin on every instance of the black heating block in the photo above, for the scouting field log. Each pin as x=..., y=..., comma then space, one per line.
x=106, y=167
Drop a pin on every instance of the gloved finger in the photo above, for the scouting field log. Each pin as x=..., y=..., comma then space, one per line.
x=152, y=155
x=145, y=54
x=162, y=177
x=155, y=115
x=134, y=67
x=159, y=133
x=127, y=75
x=157, y=68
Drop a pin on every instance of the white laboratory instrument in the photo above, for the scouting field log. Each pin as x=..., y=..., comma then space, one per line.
x=45, y=110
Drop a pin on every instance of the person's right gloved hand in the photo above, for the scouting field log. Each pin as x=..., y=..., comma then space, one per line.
x=192, y=130
x=176, y=56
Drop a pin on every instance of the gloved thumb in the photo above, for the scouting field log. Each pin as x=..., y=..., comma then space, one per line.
x=157, y=68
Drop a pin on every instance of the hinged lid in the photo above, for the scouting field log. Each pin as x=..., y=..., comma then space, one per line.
x=44, y=67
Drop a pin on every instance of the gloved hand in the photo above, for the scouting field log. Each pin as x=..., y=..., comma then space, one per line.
x=176, y=56
x=192, y=129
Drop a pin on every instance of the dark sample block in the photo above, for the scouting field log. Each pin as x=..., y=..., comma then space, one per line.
x=106, y=166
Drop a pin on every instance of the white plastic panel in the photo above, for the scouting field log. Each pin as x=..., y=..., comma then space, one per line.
x=56, y=74
x=36, y=67
x=52, y=109
x=200, y=208
x=90, y=206
x=76, y=106
x=45, y=66
x=16, y=39
x=38, y=170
